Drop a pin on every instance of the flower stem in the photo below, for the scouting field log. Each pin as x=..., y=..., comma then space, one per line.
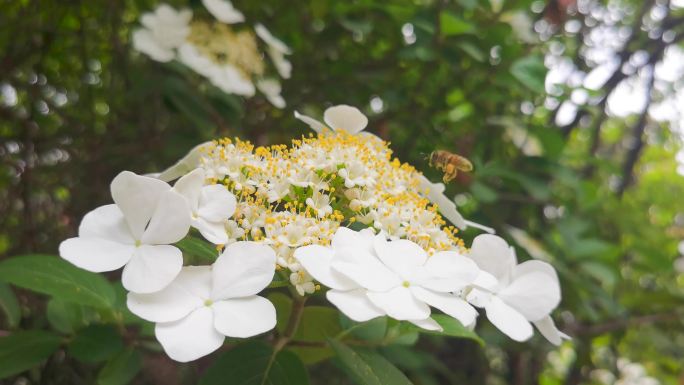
x=292, y=323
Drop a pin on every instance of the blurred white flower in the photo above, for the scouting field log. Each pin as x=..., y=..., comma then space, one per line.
x=210, y=206
x=276, y=51
x=512, y=294
x=164, y=30
x=229, y=58
x=204, y=304
x=224, y=11
x=136, y=232
x=231, y=81
x=271, y=89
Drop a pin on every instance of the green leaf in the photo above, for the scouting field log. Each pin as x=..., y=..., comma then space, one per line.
x=96, y=343
x=372, y=330
x=367, y=367
x=195, y=247
x=58, y=278
x=255, y=363
x=25, y=349
x=472, y=50
x=483, y=192
x=10, y=306
x=188, y=102
x=121, y=368
x=452, y=25
x=67, y=317
x=318, y=323
x=452, y=328
x=531, y=72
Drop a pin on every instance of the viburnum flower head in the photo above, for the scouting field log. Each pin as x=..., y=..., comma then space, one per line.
x=514, y=295
x=136, y=232
x=205, y=304
x=371, y=276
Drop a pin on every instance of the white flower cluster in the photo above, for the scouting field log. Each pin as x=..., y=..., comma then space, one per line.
x=333, y=209
x=221, y=48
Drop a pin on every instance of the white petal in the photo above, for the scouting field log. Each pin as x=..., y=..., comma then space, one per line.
x=193, y=58
x=344, y=117
x=191, y=337
x=354, y=304
x=534, y=295
x=549, y=330
x=271, y=40
x=434, y=192
x=224, y=11
x=189, y=186
x=479, y=298
x=449, y=303
x=170, y=222
x=230, y=80
x=508, y=320
x=428, y=324
x=534, y=265
x=96, y=254
x=399, y=303
x=401, y=256
x=244, y=317
x=271, y=89
x=106, y=222
x=216, y=203
x=313, y=123
x=317, y=261
x=493, y=255
x=364, y=269
x=486, y=281
x=243, y=269
x=188, y=163
x=448, y=271
x=283, y=66
x=152, y=268
x=214, y=232
x=345, y=237
x=137, y=197
x=186, y=293
x=145, y=42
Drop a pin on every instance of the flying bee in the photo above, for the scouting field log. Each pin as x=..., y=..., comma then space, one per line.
x=449, y=163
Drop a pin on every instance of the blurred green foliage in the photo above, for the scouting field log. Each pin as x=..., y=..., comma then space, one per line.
x=599, y=197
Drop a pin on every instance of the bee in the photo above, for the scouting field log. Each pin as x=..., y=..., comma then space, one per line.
x=449, y=163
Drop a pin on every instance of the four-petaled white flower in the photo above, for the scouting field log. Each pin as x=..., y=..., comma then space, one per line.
x=340, y=117
x=371, y=276
x=224, y=11
x=136, y=231
x=164, y=30
x=206, y=303
x=210, y=206
x=512, y=294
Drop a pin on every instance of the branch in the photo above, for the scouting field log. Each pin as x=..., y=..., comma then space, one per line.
x=292, y=324
x=638, y=137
